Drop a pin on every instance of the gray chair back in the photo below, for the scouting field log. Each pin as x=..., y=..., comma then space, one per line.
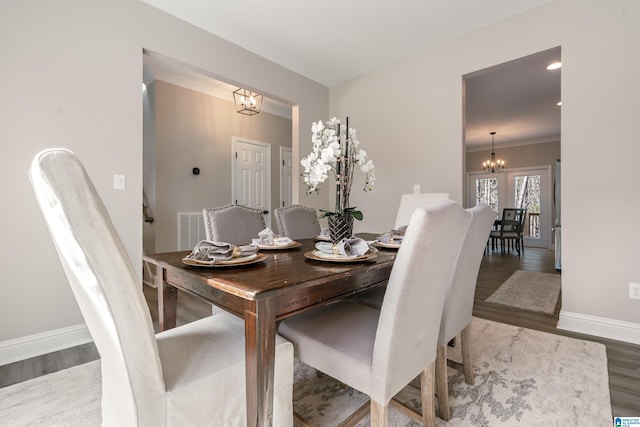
x=297, y=222
x=235, y=224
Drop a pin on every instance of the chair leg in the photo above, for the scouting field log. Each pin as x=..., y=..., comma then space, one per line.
x=427, y=392
x=441, y=383
x=379, y=414
x=465, y=344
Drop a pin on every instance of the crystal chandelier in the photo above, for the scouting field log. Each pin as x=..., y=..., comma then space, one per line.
x=492, y=165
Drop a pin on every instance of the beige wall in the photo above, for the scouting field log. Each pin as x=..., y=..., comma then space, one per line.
x=71, y=75
x=193, y=129
x=424, y=144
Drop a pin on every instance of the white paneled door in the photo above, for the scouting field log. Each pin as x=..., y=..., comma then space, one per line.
x=251, y=168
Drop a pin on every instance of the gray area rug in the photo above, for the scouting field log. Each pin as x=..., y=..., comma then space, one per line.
x=522, y=377
x=529, y=290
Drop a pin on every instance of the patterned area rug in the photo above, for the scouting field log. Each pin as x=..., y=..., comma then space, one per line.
x=523, y=377
x=529, y=290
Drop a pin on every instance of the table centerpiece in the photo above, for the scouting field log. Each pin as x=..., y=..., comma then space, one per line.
x=335, y=152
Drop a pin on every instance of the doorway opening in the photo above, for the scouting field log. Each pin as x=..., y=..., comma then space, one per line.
x=520, y=101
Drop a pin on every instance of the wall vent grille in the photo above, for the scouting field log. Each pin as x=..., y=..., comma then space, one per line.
x=190, y=230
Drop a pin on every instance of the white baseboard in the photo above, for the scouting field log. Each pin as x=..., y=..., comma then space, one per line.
x=600, y=327
x=46, y=342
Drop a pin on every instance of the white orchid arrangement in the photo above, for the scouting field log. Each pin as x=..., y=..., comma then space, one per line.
x=336, y=152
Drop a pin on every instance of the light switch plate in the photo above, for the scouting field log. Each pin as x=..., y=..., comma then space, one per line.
x=119, y=182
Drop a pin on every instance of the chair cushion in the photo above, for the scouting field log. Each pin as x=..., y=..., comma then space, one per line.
x=341, y=353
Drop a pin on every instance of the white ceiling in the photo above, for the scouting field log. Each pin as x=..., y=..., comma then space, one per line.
x=333, y=41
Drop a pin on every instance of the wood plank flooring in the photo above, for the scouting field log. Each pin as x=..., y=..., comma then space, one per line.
x=623, y=358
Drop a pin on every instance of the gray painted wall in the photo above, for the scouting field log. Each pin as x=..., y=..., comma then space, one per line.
x=193, y=129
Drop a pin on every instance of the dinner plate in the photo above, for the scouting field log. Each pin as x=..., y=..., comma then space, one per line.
x=380, y=244
x=293, y=244
x=323, y=238
x=320, y=256
x=233, y=262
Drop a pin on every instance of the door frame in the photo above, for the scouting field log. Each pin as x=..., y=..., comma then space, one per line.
x=283, y=177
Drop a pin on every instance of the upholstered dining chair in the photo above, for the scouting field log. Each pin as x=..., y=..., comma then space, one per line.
x=379, y=352
x=458, y=307
x=190, y=375
x=297, y=222
x=235, y=224
x=410, y=202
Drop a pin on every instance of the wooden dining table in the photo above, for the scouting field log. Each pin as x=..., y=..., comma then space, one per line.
x=283, y=284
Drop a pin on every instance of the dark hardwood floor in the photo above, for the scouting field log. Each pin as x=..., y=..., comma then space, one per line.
x=623, y=358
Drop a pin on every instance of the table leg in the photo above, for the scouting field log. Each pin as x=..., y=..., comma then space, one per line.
x=167, y=301
x=260, y=352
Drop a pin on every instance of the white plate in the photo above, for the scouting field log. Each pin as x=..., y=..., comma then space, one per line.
x=323, y=238
x=387, y=245
x=292, y=244
x=321, y=256
x=233, y=262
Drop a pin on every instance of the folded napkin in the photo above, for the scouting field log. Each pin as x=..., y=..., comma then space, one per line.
x=268, y=238
x=265, y=237
x=393, y=236
x=324, y=232
x=352, y=247
x=206, y=250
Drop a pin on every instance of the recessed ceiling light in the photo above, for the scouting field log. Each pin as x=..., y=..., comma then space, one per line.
x=559, y=103
x=554, y=66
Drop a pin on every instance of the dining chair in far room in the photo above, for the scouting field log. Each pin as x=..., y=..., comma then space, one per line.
x=410, y=202
x=190, y=375
x=510, y=229
x=379, y=352
x=297, y=222
x=234, y=224
x=458, y=307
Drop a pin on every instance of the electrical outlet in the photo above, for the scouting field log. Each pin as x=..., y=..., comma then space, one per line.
x=416, y=188
x=634, y=290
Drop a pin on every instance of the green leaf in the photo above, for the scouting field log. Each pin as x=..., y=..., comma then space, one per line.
x=354, y=213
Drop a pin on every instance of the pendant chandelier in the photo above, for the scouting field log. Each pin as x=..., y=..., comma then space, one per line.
x=492, y=165
x=247, y=102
